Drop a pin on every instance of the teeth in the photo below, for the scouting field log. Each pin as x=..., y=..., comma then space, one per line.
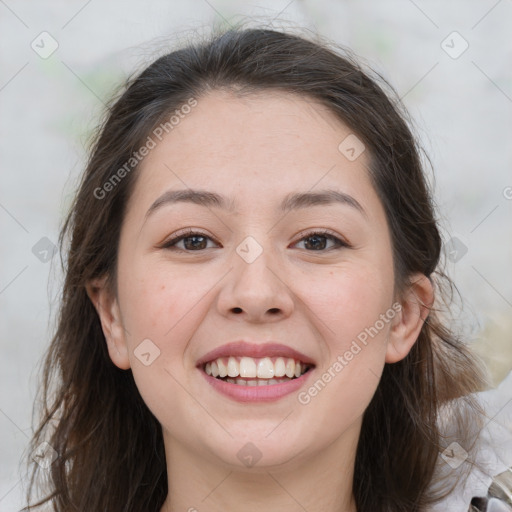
x=279, y=367
x=247, y=367
x=265, y=368
x=255, y=372
x=290, y=368
x=223, y=369
x=233, y=367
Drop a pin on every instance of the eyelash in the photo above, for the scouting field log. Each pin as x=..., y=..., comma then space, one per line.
x=170, y=244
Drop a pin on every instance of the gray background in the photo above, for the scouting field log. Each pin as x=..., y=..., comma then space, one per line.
x=462, y=106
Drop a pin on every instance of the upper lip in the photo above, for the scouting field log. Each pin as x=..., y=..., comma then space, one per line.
x=244, y=348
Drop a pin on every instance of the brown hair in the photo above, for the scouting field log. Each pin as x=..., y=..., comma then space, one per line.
x=93, y=414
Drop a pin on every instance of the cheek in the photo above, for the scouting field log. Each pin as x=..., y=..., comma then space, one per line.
x=351, y=301
x=163, y=308
x=156, y=303
x=356, y=307
x=356, y=341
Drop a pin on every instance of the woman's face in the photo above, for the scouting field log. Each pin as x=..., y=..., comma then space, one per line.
x=256, y=273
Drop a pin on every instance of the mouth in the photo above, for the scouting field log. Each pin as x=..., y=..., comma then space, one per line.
x=250, y=371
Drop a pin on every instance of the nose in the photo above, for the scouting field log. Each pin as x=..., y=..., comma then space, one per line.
x=256, y=289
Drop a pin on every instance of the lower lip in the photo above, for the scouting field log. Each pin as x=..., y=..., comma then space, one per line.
x=266, y=393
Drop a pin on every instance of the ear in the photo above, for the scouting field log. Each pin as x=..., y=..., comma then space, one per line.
x=107, y=307
x=406, y=326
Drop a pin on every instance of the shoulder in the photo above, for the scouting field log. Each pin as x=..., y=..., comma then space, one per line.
x=486, y=485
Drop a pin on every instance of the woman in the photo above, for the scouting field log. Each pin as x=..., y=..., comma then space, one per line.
x=251, y=314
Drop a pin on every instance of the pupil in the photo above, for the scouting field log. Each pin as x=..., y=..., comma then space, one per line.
x=194, y=245
x=316, y=237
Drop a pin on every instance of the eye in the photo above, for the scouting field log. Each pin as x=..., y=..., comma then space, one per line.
x=318, y=240
x=193, y=241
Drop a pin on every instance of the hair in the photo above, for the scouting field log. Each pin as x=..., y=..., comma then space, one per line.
x=109, y=445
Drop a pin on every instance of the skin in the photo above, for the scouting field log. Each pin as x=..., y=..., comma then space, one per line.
x=256, y=150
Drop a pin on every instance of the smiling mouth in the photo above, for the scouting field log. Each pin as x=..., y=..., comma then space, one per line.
x=249, y=371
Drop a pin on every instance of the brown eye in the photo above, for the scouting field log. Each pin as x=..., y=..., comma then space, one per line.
x=192, y=242
x=317, y=241
x=195, y=241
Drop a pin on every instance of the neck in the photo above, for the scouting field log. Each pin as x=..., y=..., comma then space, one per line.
x=322, y=483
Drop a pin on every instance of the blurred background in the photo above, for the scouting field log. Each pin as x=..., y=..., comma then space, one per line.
x=62, y=60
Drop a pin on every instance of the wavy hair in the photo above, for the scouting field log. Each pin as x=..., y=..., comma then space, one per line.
x=110, y=446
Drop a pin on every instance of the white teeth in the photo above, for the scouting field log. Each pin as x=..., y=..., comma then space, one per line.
x=279, y=367
x=233, y=367
x=290, y=368
x=255, y=371
x=223, y=369
x=265, y=368
x=247, y=367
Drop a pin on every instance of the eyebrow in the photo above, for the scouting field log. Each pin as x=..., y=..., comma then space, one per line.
x=292, y=201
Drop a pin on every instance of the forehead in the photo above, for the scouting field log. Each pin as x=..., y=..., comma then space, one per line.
x=274, y=120
x=254, y=146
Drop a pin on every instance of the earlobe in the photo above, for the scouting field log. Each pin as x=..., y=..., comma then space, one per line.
x=406, y=327
x=107, y=307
